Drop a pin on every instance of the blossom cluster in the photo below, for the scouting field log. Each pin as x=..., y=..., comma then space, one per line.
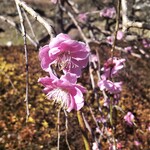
x=69, y=56
x=110, y=70
x=108, y=12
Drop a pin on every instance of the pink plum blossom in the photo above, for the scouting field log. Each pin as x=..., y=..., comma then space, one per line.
x=112, y=66
x=128, y=49
x=94, y=58
x=64, y=91
x=108, y=12
x=112, y=87
x=129, y=118
x=148, y=128
x=137, y=143
x=69, y=55
x=120, y=35
x=110, y=39
x=113, y=147
x=119, y=146
x=95, y=146
x=82, y=17
x=54, y=1
x=146, y=43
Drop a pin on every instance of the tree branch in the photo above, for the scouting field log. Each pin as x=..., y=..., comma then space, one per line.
x=128, y=23
x=26, y=58
x=13, y=24
x=47, y=26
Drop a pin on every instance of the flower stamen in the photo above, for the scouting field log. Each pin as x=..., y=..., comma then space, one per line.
x=59, y=96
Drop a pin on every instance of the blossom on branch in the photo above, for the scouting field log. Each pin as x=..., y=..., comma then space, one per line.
x=95, y=146
x=54, y=1
x=111, y=87
x=129, y=118
x=69, y=55
x=120, y=35
x=146, y=43
x=82, y=17
x=111, y=67
x=110, y=39
x=64, y=91
x=128, y=49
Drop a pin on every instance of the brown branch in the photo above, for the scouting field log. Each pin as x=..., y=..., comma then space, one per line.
x=30, y=26
x=116, y=28
x=128, y=23
x=26, y=58
x=47, y=26
x=58, y=129
x=83, y=130
x=14, y=25
x=66, y=132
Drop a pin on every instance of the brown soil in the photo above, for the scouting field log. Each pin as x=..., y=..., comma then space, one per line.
x=41, y=130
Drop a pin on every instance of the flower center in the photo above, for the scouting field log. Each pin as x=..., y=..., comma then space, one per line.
x=59, y=96
x=64, y=61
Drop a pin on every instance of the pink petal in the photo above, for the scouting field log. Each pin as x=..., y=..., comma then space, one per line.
x=55, y=42
x=43, y=51
x=71, y=105
x=72, y=78
x=75, y=70
x=45, y=80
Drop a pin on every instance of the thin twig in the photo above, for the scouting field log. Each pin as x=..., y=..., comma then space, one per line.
x=72, y=4
x=76, y=24
x=83, y=130
x=128, y=23
x=116, y=28
x=47, y=26
x=30, y=26
x=8, y=77
x=26, y=58
x=58, y=129
x=13, y=24
x=66, y=124
x=87, y=124
x=112, y=55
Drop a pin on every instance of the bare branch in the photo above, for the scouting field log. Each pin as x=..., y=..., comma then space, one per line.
x=58, y=128
x=13, y=24
x=47, y=26
x=116, y=28
x=128, y=23
x=66, y=132
x=30, y=26
x=26, y=58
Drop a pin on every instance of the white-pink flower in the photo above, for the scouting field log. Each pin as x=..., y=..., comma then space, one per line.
x=119, y=145
x=64, y=91
x=54, y=1
x=137, y=143
x=128, y=49
x=129, y=118
x=146, y=43
x=108, y=12
x=82, y=17
x=112, y=66
x=95, y=146
x=69, y=55
x=110, y=39
x=111, y=87
x=120, y=35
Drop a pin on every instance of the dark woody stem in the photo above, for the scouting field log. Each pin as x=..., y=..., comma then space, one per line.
x=83, y=130
x=112, y=123
x=116, y=28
